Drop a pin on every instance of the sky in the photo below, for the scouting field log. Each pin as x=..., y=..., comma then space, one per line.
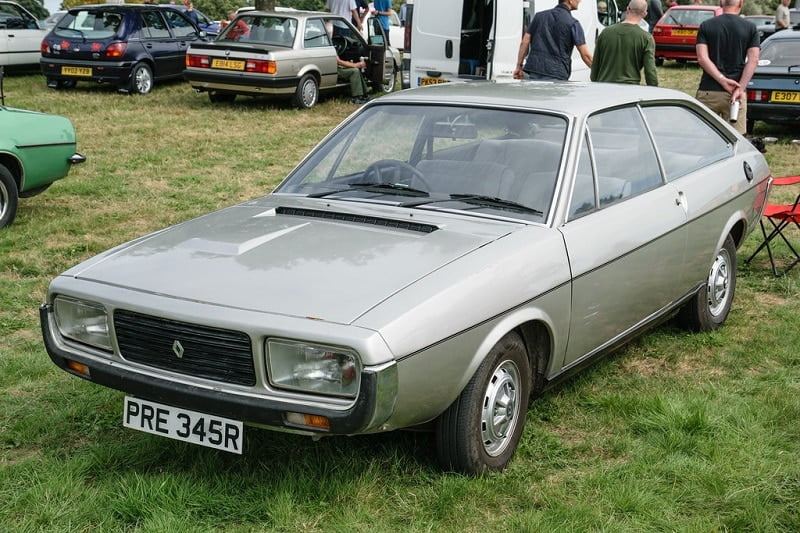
x=52, y=5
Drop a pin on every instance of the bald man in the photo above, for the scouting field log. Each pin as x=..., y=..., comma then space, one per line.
x=625, y=49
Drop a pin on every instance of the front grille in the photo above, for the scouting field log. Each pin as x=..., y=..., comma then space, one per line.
x=205, y=352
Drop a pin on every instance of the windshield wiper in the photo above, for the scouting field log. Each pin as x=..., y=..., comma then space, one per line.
x=491, y=201
x=399, y=188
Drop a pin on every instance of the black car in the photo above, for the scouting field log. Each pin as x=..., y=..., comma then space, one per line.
x=773, y=94
x=127, y=45
x=765, y=24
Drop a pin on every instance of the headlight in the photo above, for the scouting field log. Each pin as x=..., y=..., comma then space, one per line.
x=81, y=321
x=313, y=368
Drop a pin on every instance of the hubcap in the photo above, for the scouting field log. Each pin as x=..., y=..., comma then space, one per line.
x=717, y=284
x=309, y=93
x=500, y=412
x=143, y=80
x=3, y=199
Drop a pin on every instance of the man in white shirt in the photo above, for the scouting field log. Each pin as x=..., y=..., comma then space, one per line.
x=345, y=8
x=782, y=16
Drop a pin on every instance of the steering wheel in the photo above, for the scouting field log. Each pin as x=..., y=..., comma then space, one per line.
x=340, y=44
x=395, y=171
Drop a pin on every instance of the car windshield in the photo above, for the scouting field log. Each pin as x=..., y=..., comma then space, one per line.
x=259, y=29
x=94, y=24
x=14, y=18
x=486, y=161
x=780, y=53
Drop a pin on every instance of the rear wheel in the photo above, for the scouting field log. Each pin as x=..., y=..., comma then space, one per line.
x=9, y=197
x=659, y=61
x=141, y=79
x=480, y=431
x=709, y=308
x=307, y=93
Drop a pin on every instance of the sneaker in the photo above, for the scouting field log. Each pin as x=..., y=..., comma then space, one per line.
x=363, y=99
x=355, y=100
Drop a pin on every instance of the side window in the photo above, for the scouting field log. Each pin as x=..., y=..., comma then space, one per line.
x=181, y=26
x=315, y=35
x=583, y=194
x=685, y=141
x=624, y=157
x=153, y=26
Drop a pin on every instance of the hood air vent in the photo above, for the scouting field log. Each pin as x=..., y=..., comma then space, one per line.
x=358, y=219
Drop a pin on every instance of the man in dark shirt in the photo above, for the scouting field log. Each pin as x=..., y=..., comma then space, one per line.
x=550, y=38
x=654, y=14
x=727, y=50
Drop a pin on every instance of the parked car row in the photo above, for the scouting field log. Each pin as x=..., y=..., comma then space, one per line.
x=284, y=53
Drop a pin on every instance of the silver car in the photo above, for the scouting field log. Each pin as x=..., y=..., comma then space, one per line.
x=441, y=257
x=287, y=53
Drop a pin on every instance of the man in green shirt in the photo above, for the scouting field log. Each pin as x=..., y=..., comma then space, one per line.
x=624, y=49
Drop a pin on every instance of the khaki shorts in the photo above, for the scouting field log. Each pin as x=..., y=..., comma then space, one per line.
x=720, y=103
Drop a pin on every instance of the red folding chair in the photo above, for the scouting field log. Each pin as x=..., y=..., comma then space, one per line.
x=781, y=217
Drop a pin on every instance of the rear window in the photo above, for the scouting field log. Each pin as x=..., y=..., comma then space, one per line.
x=686, y=17
x=263, y=30
x=84, y=24
x=780, y=53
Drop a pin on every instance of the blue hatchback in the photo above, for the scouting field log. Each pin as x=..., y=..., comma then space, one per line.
x=130, y=46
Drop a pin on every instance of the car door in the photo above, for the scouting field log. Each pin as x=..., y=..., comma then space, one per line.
x=159, y=43
x=381, y=63
x=20, y=36
x=185, y=33
x=625, y=234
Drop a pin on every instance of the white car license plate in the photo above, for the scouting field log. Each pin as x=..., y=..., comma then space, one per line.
x=182, y=424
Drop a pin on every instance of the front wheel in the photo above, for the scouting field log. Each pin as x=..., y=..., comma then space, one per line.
x=480, y=431
x=9, y=197
x=709, y=308
x=307, y=93
x=141, y=79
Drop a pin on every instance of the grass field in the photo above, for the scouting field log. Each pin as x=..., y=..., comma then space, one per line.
x=675, y=432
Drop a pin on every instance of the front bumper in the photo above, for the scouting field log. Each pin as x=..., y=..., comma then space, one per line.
x=373, y=406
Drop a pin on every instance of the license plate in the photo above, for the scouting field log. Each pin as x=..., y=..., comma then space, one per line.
x=227, y=64
x=76, y=71
x=432, y=81
x=684, y=33
x=182, y=424
x=786, y=96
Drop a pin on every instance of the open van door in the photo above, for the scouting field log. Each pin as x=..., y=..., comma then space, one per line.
x=436, y=41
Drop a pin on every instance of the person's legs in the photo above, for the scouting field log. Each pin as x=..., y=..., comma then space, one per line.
x=352, y=76
x=720, y=103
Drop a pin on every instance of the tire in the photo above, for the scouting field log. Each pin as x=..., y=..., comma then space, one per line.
x=709, y=308
x=474, y=439
x=221, y=98
x=307, y=94
x=749, y=125
x=9, y=197
x=141, y=79
x=659, y=61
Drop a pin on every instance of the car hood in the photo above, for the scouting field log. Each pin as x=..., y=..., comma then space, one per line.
x=321, y=259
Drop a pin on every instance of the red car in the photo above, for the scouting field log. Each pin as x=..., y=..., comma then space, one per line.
x=676, y=32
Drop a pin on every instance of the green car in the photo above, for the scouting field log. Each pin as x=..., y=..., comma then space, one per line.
x=36, y=149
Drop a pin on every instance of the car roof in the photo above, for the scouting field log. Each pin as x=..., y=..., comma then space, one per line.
x=787, y=34
x=583, y=98
x=694, y=7
x=121, y=7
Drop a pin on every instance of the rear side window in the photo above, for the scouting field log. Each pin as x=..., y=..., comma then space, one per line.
x=181, y=26
x=89, y=25
x=685, y=141
x=315, y=35
x=154, y=26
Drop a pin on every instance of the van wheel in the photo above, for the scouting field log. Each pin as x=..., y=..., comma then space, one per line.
x=307, y=93
x=709, y=308
x=141, y=79
x=480, y=431
x=9, y=197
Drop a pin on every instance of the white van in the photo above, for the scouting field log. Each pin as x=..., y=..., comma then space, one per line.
x=483, y=42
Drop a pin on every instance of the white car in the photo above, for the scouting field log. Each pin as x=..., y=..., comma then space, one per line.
x=20, y=35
